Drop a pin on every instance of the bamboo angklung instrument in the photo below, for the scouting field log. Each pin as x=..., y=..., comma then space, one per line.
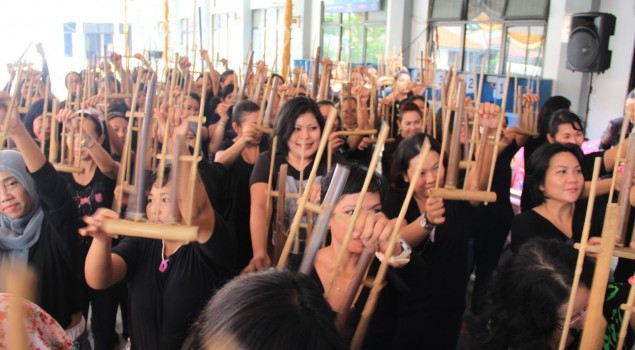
x=183, y=232
x=240, y=95
x=316, y=74
x=450, y=190
x=615, y=223
x=581, y=254
x=378, y=282
x=12, y=107
x=295, y=225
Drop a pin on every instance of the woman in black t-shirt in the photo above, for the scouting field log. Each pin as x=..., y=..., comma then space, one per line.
x=91, y=189
x=38, y=227
x=438, y=230
x=556, y=183
x=298, y=122
x=239, y=160
x=169, y=282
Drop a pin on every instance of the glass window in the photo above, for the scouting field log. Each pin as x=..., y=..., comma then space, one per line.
x=526, y=9
x=332, y=18
x=258, y=19
x=484, y=10
x=447, y=9
x=375, y=43
x=360, y=36
x=330, y=40
x=524, y=49
x=482, y=41
x=352, y=44
x=450, y=45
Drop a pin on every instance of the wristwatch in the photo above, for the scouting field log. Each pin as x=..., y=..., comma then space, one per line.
x=425, y=223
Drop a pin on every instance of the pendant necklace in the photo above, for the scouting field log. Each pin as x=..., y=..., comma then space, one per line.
x=163, y=266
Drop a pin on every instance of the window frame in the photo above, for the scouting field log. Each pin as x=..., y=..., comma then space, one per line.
x=505, y=22
x=340, y=24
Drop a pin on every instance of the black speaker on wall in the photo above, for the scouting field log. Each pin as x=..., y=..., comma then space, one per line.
x=588, y=48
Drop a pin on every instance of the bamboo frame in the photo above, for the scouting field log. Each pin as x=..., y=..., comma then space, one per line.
x=182, y=232
x=450, y=191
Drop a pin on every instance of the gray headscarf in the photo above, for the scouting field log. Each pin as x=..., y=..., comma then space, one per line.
x=17, y=236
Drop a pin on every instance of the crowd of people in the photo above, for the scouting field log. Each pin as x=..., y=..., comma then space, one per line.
x=220, y=291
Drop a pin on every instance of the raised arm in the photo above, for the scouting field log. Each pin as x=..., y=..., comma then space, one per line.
x=103, y=268
x=33, y=156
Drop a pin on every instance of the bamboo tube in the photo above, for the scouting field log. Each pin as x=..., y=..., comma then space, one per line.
x=274, y=146
x=257, y=90
x=44, y=111
x=581, y=254
x=53, y=134
x=369, y=308
x=446, y=122
x=475, y=122
x=329, y=157
x=324, y=80
x=286, y=48
x=189, y=217
x=381, y=139
x=316, y=74
x=295, y=225
x=472, y=196
x=175, y=181
x=365, y=259
x=628, y=308
x=620, y=147
x=357, y=132
x=166, y=29
x=333, y=194
x=137, y=204
x=280, y=235
x=180, y=233
x=263, y=104
x=302, y=166
x=625, y=190
x=452, y=174
x=593, y=333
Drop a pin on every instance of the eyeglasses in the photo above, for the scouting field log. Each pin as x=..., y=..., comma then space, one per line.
x=575, y=318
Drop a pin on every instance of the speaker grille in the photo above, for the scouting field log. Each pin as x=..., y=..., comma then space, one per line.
x=583, y=49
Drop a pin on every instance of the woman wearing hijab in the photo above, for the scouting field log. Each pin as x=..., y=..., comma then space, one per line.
x=38, y=227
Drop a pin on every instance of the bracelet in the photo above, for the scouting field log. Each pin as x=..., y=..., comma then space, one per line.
x=400, y=260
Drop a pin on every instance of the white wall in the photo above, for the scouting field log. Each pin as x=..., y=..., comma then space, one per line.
x=610, y=88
